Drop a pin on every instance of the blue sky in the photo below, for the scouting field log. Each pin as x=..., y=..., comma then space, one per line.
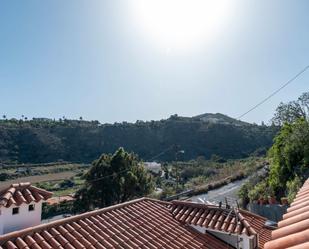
x=92, y=59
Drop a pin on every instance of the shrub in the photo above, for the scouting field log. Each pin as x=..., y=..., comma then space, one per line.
x=292, y=187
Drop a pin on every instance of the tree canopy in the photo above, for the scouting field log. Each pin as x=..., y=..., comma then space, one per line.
x=289, y=154
x=114, y=179
x=292, y=111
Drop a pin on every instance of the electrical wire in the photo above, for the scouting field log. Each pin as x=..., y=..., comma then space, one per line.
x=253, y=108
x=275, y=92
x=161, y=153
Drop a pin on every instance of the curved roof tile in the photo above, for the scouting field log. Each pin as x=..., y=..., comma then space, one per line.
x=293, y=230
x=19, y=193
x=141, y=223
x=235, y=221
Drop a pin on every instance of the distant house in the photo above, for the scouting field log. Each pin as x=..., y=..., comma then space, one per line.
x=153, y=167
x=21, y=206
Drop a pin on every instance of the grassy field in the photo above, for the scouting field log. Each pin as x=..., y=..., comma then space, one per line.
x=62, y=187
x=61, y=179
x=40, y=178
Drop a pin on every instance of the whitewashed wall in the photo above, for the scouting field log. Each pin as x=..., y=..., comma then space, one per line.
x=244, y=241
x=24, y=219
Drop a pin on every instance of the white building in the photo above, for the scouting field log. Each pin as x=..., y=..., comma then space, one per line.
x=21, y=206
x=153, y=167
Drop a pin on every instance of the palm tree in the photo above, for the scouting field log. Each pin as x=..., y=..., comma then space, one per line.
x=4, y=116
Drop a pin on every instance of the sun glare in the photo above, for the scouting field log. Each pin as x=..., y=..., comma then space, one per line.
x=181, y=24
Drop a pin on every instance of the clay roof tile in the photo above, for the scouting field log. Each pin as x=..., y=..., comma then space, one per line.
x=142, y=223
x=19, y=193
x=293, y=230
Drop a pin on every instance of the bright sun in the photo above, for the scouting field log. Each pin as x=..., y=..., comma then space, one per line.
x=181, y=24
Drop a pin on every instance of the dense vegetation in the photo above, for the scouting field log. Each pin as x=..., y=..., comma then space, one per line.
x=113, y=179
x=289, y=155
x=46, y=140
x=201, y=175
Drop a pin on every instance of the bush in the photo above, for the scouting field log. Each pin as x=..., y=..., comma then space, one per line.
x=4, y=176
x=167, y=191
x=292, y=187
x=52, y=210
x=66, y=184
x=196, y=181
x=243, y=193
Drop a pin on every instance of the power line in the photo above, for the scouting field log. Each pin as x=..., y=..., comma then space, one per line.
x=111, y=175
x=275, y=92
x=161, y=153
x=253, y=108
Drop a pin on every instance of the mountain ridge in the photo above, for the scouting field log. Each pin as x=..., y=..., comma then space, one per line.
x=45, y=140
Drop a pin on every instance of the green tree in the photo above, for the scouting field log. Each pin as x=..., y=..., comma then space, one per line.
x=289, y=155
x=292, y=188
x=293, y=110
x=114, y=179
x=243, y=194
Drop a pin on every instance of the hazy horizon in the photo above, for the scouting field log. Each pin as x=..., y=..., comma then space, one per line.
x=117, y=61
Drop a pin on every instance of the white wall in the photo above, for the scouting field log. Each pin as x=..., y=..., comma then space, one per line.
x=244, y=241
x=24, y=219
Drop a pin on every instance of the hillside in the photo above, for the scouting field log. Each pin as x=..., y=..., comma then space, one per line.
x=45, y=140
x=218, y=118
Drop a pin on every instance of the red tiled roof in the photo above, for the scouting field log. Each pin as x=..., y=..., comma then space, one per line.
x=19, y=193
x=293, y=230
x=258, y=224
x=142, y=223
x=222, y=219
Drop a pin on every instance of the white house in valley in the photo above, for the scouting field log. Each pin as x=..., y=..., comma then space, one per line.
x=153, y=167
x=21, y=206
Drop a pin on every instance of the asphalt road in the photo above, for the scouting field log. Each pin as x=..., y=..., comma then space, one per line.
x=228, y=191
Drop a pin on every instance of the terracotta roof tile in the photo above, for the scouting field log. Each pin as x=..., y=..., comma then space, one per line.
x=22, y=193
x=142, y=223
x=293, y=230
x=222, y=219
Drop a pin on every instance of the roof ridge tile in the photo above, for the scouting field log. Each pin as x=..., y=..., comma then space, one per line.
x=18, y=193
x=293, y=229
